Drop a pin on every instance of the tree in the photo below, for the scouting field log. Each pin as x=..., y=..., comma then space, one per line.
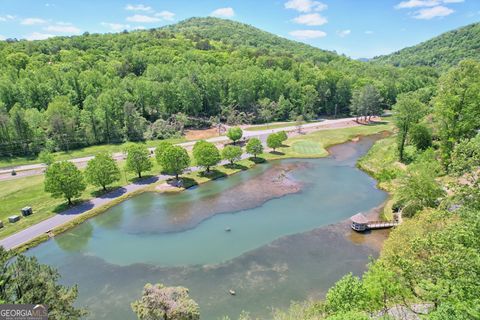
x=174, y=159
x=46, y=157
x=274, y=141
x=407, y=112
x=366, y=102
x=234, y=134
x=138, y=159
x=63, y=179
x=206, y=154
x=161, y=147
x=457, y=105
x=421, y=137
x=419, y=189
x=254, y=146
x=282, y=135
x=348, y=294
x=102, y=170
x=232, y=154
x=165, y=303
x=25, y=281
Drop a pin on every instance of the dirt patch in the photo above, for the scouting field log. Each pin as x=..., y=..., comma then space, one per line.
x=201, y=134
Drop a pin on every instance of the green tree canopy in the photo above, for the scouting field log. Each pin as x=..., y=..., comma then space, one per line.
x=63, y=179
x=138, y=159
x=165, y=303
x=407, y=112
x=25, y=281
x=255, y=147
x=234, y=134
x=161, y=147
x=206, y=154
x=174, y=160
x=274, y=141
x=457, y=105
x=102, y=170
x=232, y=154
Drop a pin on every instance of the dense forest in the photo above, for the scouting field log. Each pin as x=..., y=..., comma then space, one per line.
x=69, y=92
x=444, y=51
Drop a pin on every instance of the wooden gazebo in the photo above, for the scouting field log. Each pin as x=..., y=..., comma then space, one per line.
x=359, y=222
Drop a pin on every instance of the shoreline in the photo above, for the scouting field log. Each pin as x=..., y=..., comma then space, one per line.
x=151, y=187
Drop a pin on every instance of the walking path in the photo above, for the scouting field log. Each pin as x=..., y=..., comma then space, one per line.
x=47, y=225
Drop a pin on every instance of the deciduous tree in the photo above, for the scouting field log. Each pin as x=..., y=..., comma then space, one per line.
x=63, y=179
x=102, y=170
x=138, y=159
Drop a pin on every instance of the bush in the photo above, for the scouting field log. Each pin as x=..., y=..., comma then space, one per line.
x=421, y=137
x=411, y=209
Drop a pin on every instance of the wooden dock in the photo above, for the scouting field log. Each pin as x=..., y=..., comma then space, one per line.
x=360, y=223
x=381, y=224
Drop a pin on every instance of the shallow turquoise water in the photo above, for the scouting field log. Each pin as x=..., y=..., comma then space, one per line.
x=278, y=249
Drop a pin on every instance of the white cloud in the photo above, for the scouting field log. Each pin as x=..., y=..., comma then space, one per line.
x=2, y=38
x=223, y=13
x=409, y=4
x=305, y=5
x=38, y=36
x=7, y=17
x=137, y=7
x=32, y=21
x=116, y=26
x=430, y=13
x=165, y=15
x=369, y=32
x=344, y=33
x=62, y=27
x=311, y=19
x=142, y=18
x=416, y=4
x=308, y=34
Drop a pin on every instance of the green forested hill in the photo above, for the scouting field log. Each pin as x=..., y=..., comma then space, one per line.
x=443, y=51
x=69, y=92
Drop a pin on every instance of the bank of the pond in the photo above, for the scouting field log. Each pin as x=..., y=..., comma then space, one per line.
x=312, y=145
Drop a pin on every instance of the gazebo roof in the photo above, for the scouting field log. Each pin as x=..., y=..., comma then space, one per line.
x=359, y=219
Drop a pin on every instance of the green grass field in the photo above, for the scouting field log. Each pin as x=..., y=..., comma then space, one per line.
x=79, y=153
x=274, y=125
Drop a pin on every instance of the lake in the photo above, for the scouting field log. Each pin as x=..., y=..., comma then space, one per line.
x=289, y=239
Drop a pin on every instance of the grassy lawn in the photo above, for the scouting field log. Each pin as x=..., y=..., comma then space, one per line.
x=28, y=191
x=274, y=125
x=79, y=153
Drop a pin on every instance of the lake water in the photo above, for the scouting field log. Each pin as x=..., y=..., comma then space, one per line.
x=288, y=239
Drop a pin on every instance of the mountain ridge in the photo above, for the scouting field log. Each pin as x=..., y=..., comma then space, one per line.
x=443, y=51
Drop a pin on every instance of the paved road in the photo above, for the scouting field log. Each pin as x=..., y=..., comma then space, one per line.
x=46, y=225
x=38, y=168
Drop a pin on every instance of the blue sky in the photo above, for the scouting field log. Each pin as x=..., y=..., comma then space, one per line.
x=357, y=28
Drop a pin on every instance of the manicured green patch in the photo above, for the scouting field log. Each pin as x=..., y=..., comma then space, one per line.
x=307, y=147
